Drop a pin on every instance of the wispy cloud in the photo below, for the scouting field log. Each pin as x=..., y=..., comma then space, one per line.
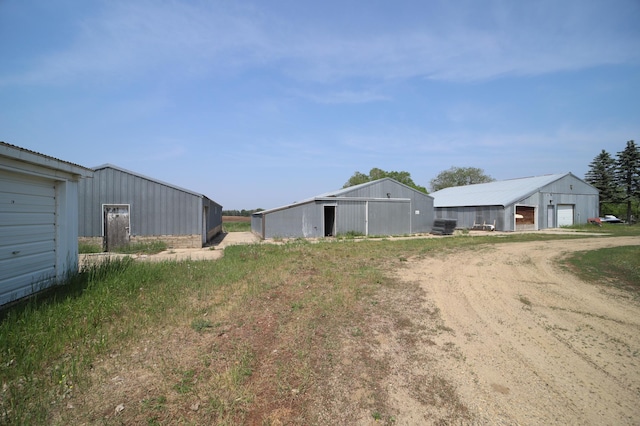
x=485, y=40
x=343, y=96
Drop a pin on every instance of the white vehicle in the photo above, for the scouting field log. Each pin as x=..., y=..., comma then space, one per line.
x=609, y=218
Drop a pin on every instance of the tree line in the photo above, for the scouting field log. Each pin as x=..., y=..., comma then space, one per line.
x=242, y=212
x=617, y=179
x=455, y=176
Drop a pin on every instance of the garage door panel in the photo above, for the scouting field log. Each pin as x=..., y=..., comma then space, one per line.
x=15, y=287
x=25, y=186
x=565, y=215
x=21, y=266
x=27, y=234
x=12, y=235
x=16, y=251
x=22, y=219
x=25, y=203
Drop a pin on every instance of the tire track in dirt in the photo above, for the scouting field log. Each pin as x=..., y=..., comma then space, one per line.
x=537, y=345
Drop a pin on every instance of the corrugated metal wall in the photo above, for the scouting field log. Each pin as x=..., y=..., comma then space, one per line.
x=568, y=191
x=466, y=216
x=155, y=208
x=213, y=224
x=383, y=208
x=389, y=217
x=301, y=220
x=350, y=217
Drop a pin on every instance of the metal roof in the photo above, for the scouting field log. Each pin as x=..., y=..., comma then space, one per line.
x=37, y=158
x=338, y=193
x=120, y=169
x=499, y=193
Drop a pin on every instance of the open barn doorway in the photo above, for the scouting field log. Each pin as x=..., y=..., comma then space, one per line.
x=329, y=221
x=526, y=218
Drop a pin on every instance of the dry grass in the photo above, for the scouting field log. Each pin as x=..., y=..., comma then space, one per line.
x=295, y=333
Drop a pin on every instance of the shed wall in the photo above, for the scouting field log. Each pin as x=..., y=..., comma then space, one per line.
x=466, y=217
x=155, y=208
x=351, y=217
x=302, y=220
x=38, y=227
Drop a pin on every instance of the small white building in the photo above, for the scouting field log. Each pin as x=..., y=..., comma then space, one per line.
x=38, y=220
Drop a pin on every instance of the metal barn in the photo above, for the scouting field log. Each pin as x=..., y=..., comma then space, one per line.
x=119, y=206
x=531, y=203
x=381, y=207
x=38, y=220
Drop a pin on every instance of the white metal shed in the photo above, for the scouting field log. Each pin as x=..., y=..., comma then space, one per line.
x=38, y=220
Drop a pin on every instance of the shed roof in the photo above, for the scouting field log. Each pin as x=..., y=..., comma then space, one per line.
x=349, y=189
x=120, y=169
x=341, y=193
x=32, y=157
x=499, y=193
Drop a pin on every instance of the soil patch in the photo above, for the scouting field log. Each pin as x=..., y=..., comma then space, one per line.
x=529, y=342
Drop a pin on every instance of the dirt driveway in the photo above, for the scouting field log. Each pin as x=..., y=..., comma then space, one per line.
x=530, y=343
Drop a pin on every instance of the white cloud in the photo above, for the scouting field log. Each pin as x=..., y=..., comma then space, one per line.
x=459, y=42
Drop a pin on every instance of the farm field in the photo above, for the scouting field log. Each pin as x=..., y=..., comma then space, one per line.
x=460, y=330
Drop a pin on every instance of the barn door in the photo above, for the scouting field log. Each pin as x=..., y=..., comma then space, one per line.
x=565, y=214
x=116, y=226
x=329, y=221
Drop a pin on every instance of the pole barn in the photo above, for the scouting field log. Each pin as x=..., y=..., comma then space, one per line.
x=381, y=207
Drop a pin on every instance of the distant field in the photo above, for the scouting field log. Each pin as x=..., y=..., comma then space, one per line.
x=236, y=223
x=226, y=219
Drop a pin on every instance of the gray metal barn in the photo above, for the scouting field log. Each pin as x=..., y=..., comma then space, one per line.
x=531, y=203
x=381, y=207
x=118, y=206
x=38, y=220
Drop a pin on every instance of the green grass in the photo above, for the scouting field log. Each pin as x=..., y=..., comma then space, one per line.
x=617, y=266
x=236, y=226
x=85, y=248
x=142, y=248
x=275, y=314
x=613, y=229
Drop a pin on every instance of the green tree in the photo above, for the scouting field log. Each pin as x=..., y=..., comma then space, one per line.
x=627, y=174
x=602, y=175
x=459, y=176
x=375, y=174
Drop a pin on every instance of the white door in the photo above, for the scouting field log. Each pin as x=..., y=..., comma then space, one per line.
x=565, y=214
x=27, y=234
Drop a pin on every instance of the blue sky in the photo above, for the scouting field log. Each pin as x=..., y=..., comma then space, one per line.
x=260, y=104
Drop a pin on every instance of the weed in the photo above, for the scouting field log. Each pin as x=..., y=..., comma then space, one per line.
x=525, y=301
x=201, y=324
x=186, y=382
x=85, y=248
x=285, y=310
x=142, y=248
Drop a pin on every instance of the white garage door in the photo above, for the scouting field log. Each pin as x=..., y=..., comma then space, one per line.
x=565, y=214
x=27, y=234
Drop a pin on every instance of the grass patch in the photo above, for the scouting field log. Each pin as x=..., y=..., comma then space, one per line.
x=142, y=248
x=613, y=229
x=267, y=333
x=617, y=266
x=236, y=226
x=86, y=248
